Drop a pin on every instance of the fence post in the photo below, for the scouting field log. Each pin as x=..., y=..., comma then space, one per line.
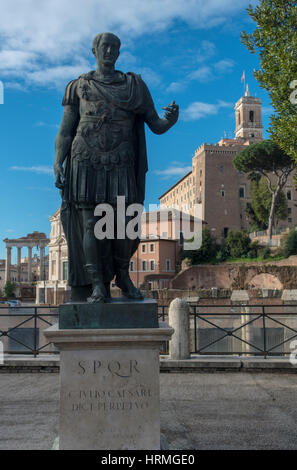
x=179, y=319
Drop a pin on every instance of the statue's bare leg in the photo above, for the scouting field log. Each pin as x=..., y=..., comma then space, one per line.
x=91, y=256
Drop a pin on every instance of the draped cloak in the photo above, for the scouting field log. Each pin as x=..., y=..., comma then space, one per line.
x=126, y=92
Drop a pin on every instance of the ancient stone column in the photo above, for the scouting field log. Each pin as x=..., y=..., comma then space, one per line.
x=8, y=264
x=19, y=261
x=179, y=319
x=41, y=267
x=29, y=263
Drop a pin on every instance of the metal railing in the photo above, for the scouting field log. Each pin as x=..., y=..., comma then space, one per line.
x=257, y=330
x=21, y=329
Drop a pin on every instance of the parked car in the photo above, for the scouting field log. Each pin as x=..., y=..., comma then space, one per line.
x=11, y=303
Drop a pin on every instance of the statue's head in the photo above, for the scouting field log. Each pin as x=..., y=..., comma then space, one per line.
x=106, y=48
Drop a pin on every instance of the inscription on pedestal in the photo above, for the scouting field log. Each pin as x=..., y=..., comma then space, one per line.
x=110, y=399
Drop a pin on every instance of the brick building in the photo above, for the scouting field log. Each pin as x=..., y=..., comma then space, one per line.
x=214, y=183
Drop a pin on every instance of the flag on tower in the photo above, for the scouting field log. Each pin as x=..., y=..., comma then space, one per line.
x=243, y=77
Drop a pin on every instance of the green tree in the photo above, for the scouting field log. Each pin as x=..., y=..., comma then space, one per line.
x=290, y=243
x=255, y=223
x=206, y=252
x=268, y=160
x=261, y=203
x=275, y=39
x=9, y=289
x=238, y=243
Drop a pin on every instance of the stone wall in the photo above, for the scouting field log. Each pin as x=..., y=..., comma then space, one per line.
x=237, y=276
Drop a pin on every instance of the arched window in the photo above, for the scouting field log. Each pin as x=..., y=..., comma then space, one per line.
x=251, y=116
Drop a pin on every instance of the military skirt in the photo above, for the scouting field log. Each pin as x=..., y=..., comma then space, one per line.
x=99, y=177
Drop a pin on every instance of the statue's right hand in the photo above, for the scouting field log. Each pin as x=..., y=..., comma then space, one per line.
x=59, y=175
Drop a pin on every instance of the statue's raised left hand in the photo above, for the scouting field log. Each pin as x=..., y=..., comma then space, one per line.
x=171, y=112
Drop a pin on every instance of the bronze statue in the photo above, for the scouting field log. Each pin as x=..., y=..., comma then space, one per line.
x=101, y=154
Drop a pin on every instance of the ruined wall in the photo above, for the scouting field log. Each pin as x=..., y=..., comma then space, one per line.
x=237, y=276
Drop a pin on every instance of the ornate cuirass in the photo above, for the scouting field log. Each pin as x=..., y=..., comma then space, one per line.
x=104, y=135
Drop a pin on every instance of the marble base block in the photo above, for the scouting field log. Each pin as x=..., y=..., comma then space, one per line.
x=109, y=379
x=114, y=313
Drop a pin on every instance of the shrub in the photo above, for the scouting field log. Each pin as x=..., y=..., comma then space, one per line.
x=290, y=243
x=254, y=250
x=8, y=290
x=238, y=244
x=206, y=252
x=266, y=252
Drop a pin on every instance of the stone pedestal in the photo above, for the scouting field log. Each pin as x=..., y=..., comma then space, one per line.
x=109, y=378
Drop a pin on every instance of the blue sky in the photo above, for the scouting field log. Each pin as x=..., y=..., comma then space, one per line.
x=189, y=51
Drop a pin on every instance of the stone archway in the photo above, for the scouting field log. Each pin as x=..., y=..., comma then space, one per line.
x=265, y=281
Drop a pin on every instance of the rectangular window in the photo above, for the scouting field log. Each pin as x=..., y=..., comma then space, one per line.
x=289, y=195
x=152, y=248
x=152, y=265
x=241, y=192
x=222, y=193
x=289, y=219
x=65, y=270
x=143, y=265
x=143, y=248
x=168, y=265
x=131, y=265
x=289, y=210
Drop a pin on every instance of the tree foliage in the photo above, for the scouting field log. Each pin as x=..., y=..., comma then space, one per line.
x=275, y=39
x=268, y=160
x=255, y=223
x=9, y=289
x=290, y=243
x=238, y=243
x=206, y=252
x=261, y=204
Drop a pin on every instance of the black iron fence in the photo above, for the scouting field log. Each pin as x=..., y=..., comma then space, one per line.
x=21, y=329
x=255, y=330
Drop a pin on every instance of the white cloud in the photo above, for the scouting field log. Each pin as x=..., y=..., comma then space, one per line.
x=151, y=77
x=206, y=51
x=15, y=60
x=176, y=171
x=57, y=75
x=202, y=74
x=45, y=42
x=176, y=87
x=225, y=65
x=126, y=59
x=198, y=110
x=42, y=169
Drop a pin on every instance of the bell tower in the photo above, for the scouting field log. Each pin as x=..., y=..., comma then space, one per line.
x=248, y=115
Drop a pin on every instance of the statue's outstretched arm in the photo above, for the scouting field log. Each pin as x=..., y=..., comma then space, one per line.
x=64, y=140
x=158, y=125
